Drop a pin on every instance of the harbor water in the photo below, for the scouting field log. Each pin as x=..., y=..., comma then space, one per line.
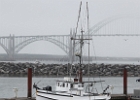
x=7, y=85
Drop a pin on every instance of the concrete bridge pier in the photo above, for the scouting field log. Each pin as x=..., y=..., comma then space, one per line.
x=11, y=47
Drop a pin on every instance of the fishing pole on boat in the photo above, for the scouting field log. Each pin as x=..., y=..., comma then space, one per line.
x=35, y=86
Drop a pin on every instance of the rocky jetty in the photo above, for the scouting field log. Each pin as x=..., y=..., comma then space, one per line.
x=16, y=69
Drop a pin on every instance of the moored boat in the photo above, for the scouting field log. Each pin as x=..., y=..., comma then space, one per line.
x=73, y=88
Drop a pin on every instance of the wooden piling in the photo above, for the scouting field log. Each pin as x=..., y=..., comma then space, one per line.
x=29, y=92
x=125, y=81
x=80, y=76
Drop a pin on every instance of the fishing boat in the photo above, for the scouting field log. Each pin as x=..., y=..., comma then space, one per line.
x=73, y=88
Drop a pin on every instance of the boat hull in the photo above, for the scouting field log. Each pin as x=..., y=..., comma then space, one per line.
x=66, y=96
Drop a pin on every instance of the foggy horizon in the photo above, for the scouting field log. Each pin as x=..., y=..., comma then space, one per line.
x=50, y=17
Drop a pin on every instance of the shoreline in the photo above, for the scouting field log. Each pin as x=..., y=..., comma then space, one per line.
x=11, y=69
x=64, y=76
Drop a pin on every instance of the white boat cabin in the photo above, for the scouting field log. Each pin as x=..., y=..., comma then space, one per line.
x=70, y=85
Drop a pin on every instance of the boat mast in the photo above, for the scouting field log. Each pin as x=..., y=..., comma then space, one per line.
x=80, y=56
x=81, y=39
x=88, y=36
x=78, y=17
x=74, y=38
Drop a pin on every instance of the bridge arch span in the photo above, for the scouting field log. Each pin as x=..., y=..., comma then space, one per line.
x=31, y=40
x=4, y=47
x=93, y=30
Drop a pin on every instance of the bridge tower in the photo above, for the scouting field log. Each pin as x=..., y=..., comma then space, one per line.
x=11, y=47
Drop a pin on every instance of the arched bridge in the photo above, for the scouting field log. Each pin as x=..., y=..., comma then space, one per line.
x=115, y=26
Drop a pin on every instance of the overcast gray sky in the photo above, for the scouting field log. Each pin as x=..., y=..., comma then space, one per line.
x=56, y=17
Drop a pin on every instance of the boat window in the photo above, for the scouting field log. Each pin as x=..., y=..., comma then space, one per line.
x=63, y=84
x=58, y=84
x=67, y=84
x=71, y=85
x=81, y=85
